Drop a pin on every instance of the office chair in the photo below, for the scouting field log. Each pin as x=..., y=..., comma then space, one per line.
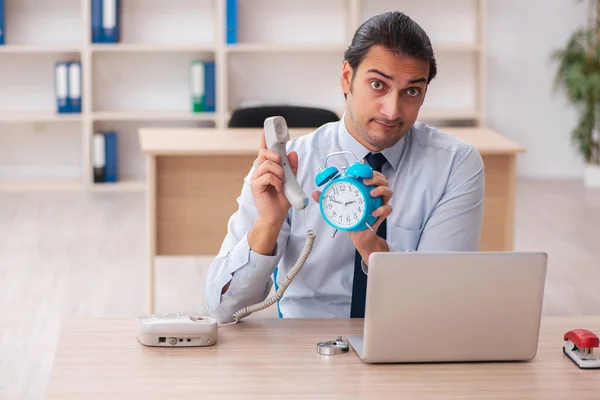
x=295, y=116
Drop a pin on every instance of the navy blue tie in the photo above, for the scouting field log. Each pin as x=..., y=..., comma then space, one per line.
x=359, y=285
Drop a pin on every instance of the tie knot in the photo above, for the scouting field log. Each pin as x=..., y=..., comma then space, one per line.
x=376, y=161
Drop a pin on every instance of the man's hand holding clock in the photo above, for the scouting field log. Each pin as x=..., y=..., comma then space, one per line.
x=365, y=241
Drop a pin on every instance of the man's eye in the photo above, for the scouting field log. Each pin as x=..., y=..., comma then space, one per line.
x=413, y=92
x=377, y=85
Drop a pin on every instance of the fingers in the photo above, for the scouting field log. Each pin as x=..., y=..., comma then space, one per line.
x=382, y=188
x=383, y=212
x=293, y=159
x=316, y=195
x=264, y=155
x=263, y=141
x=383, y=191
x=263, y=182
x=269, y=167
x=378, y=179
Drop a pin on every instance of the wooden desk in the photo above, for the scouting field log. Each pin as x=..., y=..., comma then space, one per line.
x=277, y=359
x=194, y=177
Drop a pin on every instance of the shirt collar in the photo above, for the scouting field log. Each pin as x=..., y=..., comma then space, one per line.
x=349, y=143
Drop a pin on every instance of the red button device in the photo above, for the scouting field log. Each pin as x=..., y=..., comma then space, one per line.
x=582, y=338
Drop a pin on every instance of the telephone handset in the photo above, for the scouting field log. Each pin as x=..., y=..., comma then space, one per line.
x=276, y=137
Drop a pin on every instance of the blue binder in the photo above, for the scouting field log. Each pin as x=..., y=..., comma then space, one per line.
x=110, y=21
x=74, y=87
x=209, y=86
x=99, y=157
x=1, y=21
x=61, y=86
x=231, y=21
x=111, y=171
x=97, y=6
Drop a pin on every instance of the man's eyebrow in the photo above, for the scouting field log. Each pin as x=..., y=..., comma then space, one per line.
x=386, y=76
x=419, y=80
x=391, y=78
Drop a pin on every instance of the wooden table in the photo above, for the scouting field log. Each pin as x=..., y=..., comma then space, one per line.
x=195, y=176
x=277, y=359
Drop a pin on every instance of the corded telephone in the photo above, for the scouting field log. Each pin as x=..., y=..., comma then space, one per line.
x=185, y=331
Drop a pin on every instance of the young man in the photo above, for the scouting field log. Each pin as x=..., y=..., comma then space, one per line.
x=432, y=187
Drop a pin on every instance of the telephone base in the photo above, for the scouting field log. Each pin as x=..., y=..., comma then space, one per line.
x=177, y=330
x=176, y=341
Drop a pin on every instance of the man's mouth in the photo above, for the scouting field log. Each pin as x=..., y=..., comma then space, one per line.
x=387, y=125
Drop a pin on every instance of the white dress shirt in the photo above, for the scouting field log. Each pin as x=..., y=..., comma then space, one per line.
x=437, y=204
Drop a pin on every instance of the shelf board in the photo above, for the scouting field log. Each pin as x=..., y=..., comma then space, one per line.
x=284, y=47
x=38, y=49
x=153, y=116
x=18, y=185
x=151, y=48
x=127, y=185
x=35, y=116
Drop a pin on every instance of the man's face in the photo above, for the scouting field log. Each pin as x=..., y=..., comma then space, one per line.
x=384, y=96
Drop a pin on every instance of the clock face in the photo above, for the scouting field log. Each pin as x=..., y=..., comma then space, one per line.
x=343, y=204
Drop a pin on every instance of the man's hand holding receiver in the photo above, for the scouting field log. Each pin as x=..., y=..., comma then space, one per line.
x=266, y=185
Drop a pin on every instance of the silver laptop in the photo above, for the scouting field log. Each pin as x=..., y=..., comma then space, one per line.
x=452, y=307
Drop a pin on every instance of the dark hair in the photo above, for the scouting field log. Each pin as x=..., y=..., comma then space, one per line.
x=395, y=31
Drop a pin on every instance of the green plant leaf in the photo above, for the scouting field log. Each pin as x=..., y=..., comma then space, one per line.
x=581, y=136
x=578, y=76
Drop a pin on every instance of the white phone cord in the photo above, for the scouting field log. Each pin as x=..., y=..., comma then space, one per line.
x=244, y=312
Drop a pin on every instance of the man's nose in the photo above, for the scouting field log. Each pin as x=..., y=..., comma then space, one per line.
x=390, y=108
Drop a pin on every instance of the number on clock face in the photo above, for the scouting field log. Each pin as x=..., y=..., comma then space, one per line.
x=343, y=204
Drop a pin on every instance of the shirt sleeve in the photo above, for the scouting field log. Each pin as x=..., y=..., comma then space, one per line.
x=456, y=220
x=250, y=272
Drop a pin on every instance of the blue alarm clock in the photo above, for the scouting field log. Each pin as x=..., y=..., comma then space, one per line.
x=346, y=202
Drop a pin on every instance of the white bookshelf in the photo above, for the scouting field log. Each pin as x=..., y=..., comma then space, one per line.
x=287, y=52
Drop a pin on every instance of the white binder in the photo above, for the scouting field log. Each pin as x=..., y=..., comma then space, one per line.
x=61, y=86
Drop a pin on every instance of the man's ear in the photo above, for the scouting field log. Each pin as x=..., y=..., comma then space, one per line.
x=346, y=77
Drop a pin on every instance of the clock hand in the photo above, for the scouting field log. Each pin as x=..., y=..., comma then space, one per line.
x=350, y=202
x=335, y=201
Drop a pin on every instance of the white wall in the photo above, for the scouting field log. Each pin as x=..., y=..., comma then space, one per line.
x=521, y=102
